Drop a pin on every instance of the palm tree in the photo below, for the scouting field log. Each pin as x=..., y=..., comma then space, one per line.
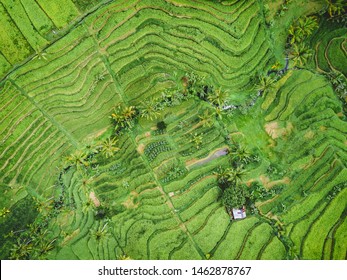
x=300, y=54
x=335, y=8
x=123, y=257
x=206, y=119
x=302, y=28
x=109, y=147
x=222, y=176
x=46, y=246
x=78, y=158
x=148, y=109
x=265, y=84
x=41, y=55
x=294, y=34
x=129, y=112
x=306, y=25
x=123, y=115
x=197, y=140
x=218, y=112
x=22, y=249
x=100, y=233
x=235, y=175
x=218, y=97
x=44, y=205
x=87, y=206
x=4, y=212
x=240, y=154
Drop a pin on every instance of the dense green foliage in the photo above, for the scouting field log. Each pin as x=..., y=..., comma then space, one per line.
x=130, y=127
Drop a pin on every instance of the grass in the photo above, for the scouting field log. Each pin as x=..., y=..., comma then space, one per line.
x=130, y=51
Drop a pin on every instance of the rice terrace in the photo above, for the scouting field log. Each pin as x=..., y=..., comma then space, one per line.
x=173, y=129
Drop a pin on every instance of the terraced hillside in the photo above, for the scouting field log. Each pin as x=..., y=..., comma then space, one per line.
x=330, y=48
x=157, y=194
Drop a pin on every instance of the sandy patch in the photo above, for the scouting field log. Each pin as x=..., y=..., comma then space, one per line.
x=274, y=131
x=148, y=134
x=309, y=135
x=129, y=203
x=140, y=148
x=95, y=200
x=171, y=194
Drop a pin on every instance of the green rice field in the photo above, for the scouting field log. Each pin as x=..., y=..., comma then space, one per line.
x=119, y=118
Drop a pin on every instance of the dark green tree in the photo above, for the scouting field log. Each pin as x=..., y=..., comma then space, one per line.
x=234, y=196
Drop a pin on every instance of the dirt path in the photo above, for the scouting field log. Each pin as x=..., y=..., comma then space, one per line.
x=216, y=154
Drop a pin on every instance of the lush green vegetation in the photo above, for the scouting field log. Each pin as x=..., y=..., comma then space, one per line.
x=130, y=129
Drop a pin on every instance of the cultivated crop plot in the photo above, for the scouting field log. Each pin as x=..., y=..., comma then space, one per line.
x=173, y=129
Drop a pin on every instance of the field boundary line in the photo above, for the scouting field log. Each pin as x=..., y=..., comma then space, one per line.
x=72, y=139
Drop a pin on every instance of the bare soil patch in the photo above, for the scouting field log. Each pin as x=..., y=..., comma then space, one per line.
x=129, y=203
x=95, y=200
x=275, y=131
x=140, y=148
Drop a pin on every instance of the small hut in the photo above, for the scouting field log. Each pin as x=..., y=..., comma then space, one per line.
x=238, y=213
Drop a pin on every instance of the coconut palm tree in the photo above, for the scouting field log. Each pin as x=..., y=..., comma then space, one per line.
x=336, y=7
x=300, y=54
x=197, y=140
x=109, y=147
x=206, y=119
x=100, y=233
x=306, y=25
x=123, y=257
x=266, y=84
x=40, y=54
x=148, y=109
x=295, y=34
x=45, y=246
x=218, y=97
x=4, y=212
x=87, y=206
x=78, y=159
x=222, y=176
x=302, y=28
x=123, y=116
x=44, y=205
x=22, y=249
x=241, y=154
x=235, y=175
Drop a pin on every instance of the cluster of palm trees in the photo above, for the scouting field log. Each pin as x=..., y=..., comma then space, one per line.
x=230, y=180
x=123, y=116
x=85, y=157
x=33, y=243
x=298, y=32
x=196, y=86
x=336, y=8
x=265, y=84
